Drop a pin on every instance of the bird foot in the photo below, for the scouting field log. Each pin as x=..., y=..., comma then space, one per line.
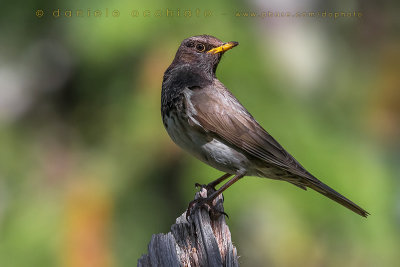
x=209, y=187
x=206, y=203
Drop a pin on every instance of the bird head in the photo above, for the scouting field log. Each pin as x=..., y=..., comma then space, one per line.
x=203, y=51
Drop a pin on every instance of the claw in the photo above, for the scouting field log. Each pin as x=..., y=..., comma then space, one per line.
x=196, y=204
x=209, y=194
x=192, y=206
x=225, y=214
x=198, y=185
x=217, y=213
x=204, y=203
x=209, y=187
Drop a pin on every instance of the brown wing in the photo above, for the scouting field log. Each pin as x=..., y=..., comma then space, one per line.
x=218, y=111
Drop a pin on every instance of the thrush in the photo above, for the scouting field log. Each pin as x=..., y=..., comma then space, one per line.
x=204, y=118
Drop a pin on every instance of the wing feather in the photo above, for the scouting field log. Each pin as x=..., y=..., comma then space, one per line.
x=219, y=112
x=229, y=120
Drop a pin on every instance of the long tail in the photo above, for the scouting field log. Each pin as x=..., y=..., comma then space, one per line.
x=332, y=194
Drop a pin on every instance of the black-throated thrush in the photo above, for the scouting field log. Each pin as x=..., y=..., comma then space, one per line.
x=203, y=117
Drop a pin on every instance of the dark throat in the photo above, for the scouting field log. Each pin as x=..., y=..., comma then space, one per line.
x=179, y=77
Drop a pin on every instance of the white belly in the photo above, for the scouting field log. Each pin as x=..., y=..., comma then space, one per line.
x=211, y=151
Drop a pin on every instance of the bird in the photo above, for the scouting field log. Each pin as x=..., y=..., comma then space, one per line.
x=205, y=119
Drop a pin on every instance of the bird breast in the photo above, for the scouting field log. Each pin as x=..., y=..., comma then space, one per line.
x=187, y=133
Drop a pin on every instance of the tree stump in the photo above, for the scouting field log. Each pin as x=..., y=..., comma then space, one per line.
x=203, y=241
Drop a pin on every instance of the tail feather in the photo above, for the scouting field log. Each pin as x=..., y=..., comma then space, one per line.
x=332, y=194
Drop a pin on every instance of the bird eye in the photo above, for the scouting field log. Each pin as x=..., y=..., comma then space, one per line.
x=200, y=47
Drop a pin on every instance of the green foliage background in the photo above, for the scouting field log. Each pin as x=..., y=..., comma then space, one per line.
x=88, y=174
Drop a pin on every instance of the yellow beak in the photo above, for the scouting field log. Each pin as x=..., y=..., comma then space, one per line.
x=223, y=48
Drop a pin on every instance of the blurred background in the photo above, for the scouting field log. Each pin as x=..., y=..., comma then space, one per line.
x=88, y=173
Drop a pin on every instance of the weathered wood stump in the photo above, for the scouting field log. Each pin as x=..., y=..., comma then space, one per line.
x=203, y=241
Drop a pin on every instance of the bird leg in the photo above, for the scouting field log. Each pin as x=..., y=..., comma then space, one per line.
x=208, y=201
x=211, y=186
